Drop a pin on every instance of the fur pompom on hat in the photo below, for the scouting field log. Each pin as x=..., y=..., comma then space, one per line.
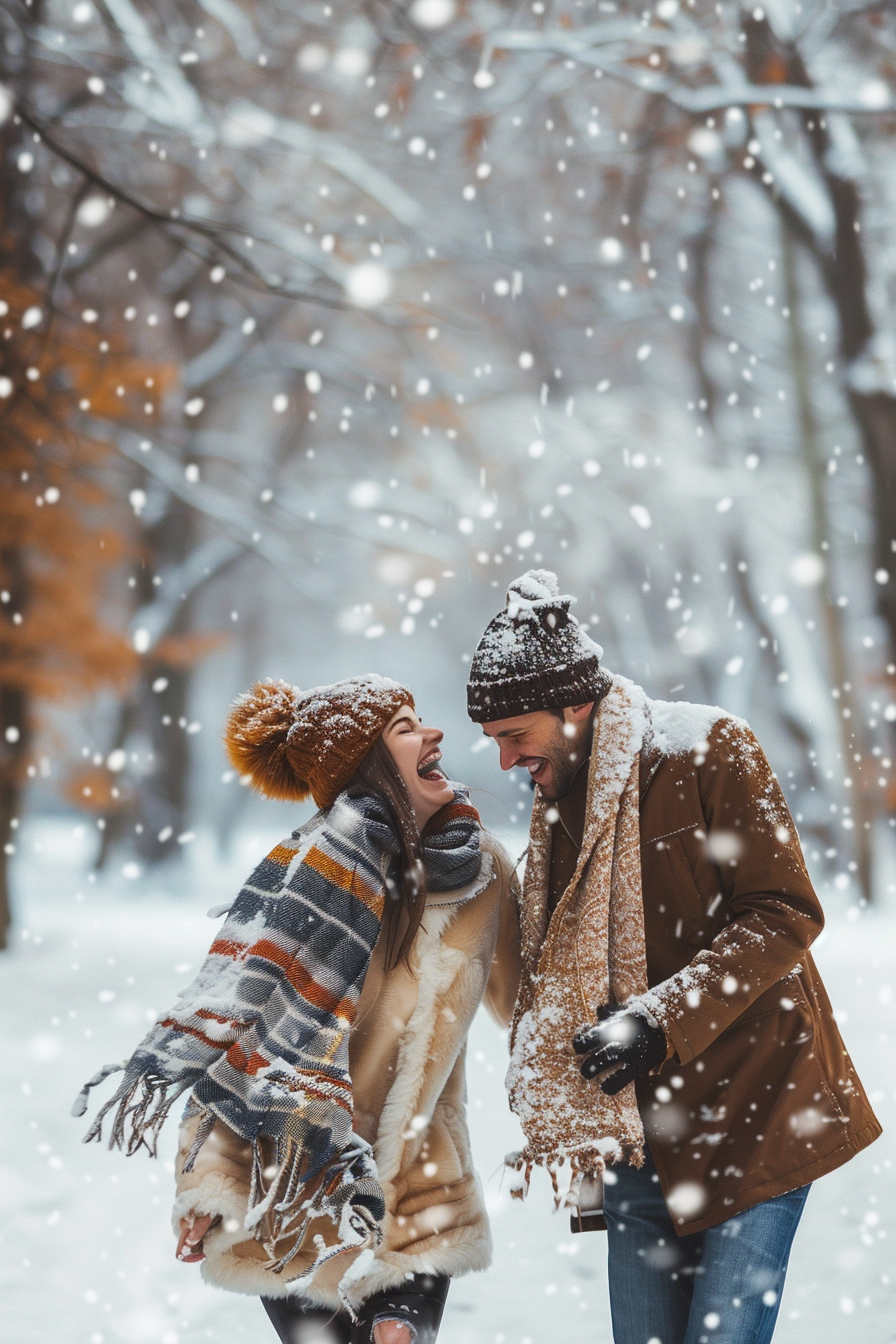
x=533, y=655
x=291, y=743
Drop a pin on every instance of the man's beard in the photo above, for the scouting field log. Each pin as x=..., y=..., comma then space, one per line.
x=563, y=769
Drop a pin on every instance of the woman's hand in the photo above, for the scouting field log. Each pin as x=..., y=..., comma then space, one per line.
x=193, y=1228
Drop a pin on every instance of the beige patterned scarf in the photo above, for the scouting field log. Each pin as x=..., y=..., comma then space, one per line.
x=590, y=952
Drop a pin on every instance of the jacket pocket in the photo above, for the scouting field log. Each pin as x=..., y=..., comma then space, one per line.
x=703, y=901
x=692, y=920
x=784, y=996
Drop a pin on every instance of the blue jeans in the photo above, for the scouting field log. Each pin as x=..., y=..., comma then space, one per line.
x=721, y=1286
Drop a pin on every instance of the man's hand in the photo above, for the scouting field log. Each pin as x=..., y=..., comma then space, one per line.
x=619, y=1048
x=192, y=1230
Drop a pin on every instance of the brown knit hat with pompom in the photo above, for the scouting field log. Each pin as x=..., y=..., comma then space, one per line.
x=291, y=743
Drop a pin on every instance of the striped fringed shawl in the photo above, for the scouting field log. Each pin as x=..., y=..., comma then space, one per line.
x=261, y=1035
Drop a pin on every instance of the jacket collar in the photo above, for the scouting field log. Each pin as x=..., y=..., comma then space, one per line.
x=651, y=755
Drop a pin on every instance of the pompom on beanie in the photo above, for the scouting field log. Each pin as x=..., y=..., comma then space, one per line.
x=533, y=655
x=293, y=743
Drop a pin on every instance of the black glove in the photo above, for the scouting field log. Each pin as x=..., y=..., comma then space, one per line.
x=622, y=1041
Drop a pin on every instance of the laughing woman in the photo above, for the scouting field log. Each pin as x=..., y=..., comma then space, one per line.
x=324, y=1159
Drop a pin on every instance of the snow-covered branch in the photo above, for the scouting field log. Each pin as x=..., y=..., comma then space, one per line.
x=873, y=98
x=330, y=150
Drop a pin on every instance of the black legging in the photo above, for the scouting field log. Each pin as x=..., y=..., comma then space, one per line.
x=419, y=1303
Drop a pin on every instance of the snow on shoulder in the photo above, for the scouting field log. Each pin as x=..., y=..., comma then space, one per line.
x=680, y=727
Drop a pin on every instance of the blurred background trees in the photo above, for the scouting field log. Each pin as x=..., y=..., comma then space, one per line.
x=59, y=638
x=420, y=295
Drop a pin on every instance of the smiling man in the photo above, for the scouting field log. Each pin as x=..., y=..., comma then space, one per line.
x=670, y=1020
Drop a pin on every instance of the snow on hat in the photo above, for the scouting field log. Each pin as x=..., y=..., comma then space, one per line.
x=291, y=743
x=533, y=655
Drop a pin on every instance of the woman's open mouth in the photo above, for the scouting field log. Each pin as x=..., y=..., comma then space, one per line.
x=429, y=767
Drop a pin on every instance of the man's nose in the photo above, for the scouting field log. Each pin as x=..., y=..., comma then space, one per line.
x=508, y=755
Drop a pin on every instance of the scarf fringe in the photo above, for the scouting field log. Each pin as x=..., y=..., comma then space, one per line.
x=277, y=1206
x=273, y=1219
x=586, y=1161
x=81, y=1101
x=203, y=1129
x=142, y=1106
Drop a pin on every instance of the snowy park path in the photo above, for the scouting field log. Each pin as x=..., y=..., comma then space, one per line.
x=87, y=1251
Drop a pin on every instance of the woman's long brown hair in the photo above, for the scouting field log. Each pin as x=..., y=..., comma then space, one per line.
x=406, y=886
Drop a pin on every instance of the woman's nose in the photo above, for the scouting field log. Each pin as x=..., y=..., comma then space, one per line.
x=434, y=735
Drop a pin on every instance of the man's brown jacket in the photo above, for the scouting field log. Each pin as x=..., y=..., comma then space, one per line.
x=758, y=1095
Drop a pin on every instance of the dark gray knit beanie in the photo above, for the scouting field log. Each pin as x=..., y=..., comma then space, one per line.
x=533, y=655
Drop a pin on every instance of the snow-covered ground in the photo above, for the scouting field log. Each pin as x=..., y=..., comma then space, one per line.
x=86, y=1251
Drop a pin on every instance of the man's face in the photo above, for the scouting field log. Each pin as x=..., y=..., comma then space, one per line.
x=550, y=748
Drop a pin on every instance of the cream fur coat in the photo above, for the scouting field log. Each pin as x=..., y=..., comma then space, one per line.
x=407, y=1065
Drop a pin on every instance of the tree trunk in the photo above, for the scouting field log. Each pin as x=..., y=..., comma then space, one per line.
x=14, y=719
x=9, y=807
x=164, y=715
x=849, y=716
x=164, y=809
x=846, y=280
x=118, y=822
x=844, y=272
x=10, y=798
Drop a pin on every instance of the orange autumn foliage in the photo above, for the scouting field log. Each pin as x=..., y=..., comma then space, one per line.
x=95, y=788
x=60, y=535
x=185, y=650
